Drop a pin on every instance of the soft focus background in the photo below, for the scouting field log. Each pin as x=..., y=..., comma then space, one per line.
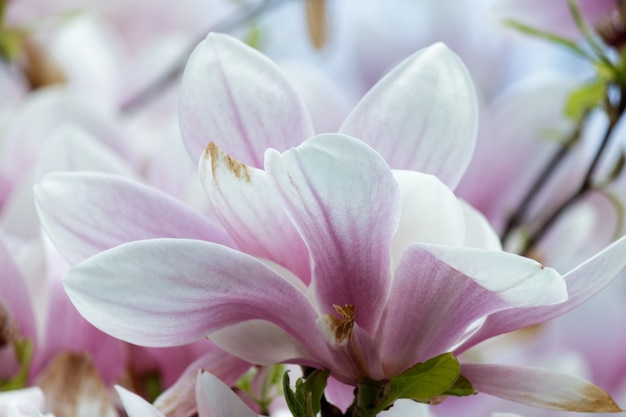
x=89, y=85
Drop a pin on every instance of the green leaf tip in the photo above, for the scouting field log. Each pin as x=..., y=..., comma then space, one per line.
x=305, y=401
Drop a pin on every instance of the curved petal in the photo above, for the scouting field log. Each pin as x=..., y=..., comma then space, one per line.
x=86, y=213
x=519, y=281
x=539, y=388
x=583, y=282
x=215, y=399
x=179, y=399
x=341, y=196
x=135, y=406
x=167, y=292
x=244, y=203
x=479, y=233
x=262, y=343
x=431, y=305
x=430, y=213
x=422, y=116
x=234, y=96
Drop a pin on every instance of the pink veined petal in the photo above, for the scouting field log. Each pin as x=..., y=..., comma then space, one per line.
x=167, y=292
x=539, y=387
x=583, y=282
x=431, y=213
x=86, y=213
x=345, y=203
x=135, y=406
x=234, y=96
x=422, y=116
x=215, y=399
x=430, y=307
x=246, y=206
x=179, y=400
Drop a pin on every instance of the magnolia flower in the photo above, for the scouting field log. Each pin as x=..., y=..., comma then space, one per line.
x=338, y=262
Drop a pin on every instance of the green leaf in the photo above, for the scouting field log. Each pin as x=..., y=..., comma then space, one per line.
x=23, y=349
x=428, y=379
x=305, y=401
x=585, y=98
x=424, y=381
x=550, y=37
x=10, y=44
x=586, y=32
x=462, y=387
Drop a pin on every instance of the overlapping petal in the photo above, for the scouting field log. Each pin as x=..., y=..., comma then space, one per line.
x=430, y=213
x=179, y=399
x=215, y=399
x=421, y=116
x=345, y=203
x=166, y=292
x=82, y=222
x=539, y=387
x=242, y=200
x=583, y=282
x=238, y=98
x=135, y=406
x=439, y=292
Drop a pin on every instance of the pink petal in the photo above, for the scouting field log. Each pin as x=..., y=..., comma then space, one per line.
x=583, y=282
x=245, y=204
x=179, y=399
x=86, y=213
x=215, y=399
x=539, y=388
x=234, y=96
x=346, y=205
x=135, y=406
x=15, y=302
x=421, y=116
x=167, y=292
x=430, y=307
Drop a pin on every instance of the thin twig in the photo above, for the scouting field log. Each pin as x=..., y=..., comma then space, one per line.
x=228, y=24
x=614, y=112
x=518, y=217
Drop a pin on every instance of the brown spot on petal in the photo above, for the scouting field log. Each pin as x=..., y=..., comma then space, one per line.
x=337, y=331
x=593, y=399
x=39, y=67
x=73, y=387
x=8, y=328
x=218, y=157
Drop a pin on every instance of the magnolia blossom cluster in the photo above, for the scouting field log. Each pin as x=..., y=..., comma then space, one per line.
x=337, y=209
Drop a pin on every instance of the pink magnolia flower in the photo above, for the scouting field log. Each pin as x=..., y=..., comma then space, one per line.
x=338, y=262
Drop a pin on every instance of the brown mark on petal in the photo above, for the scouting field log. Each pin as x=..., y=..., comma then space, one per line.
x=73, y=387
x=338, y=330
x=8, y=328
x=316, y=22
x=218, y=157
x=591, y=399
x=39, y=67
